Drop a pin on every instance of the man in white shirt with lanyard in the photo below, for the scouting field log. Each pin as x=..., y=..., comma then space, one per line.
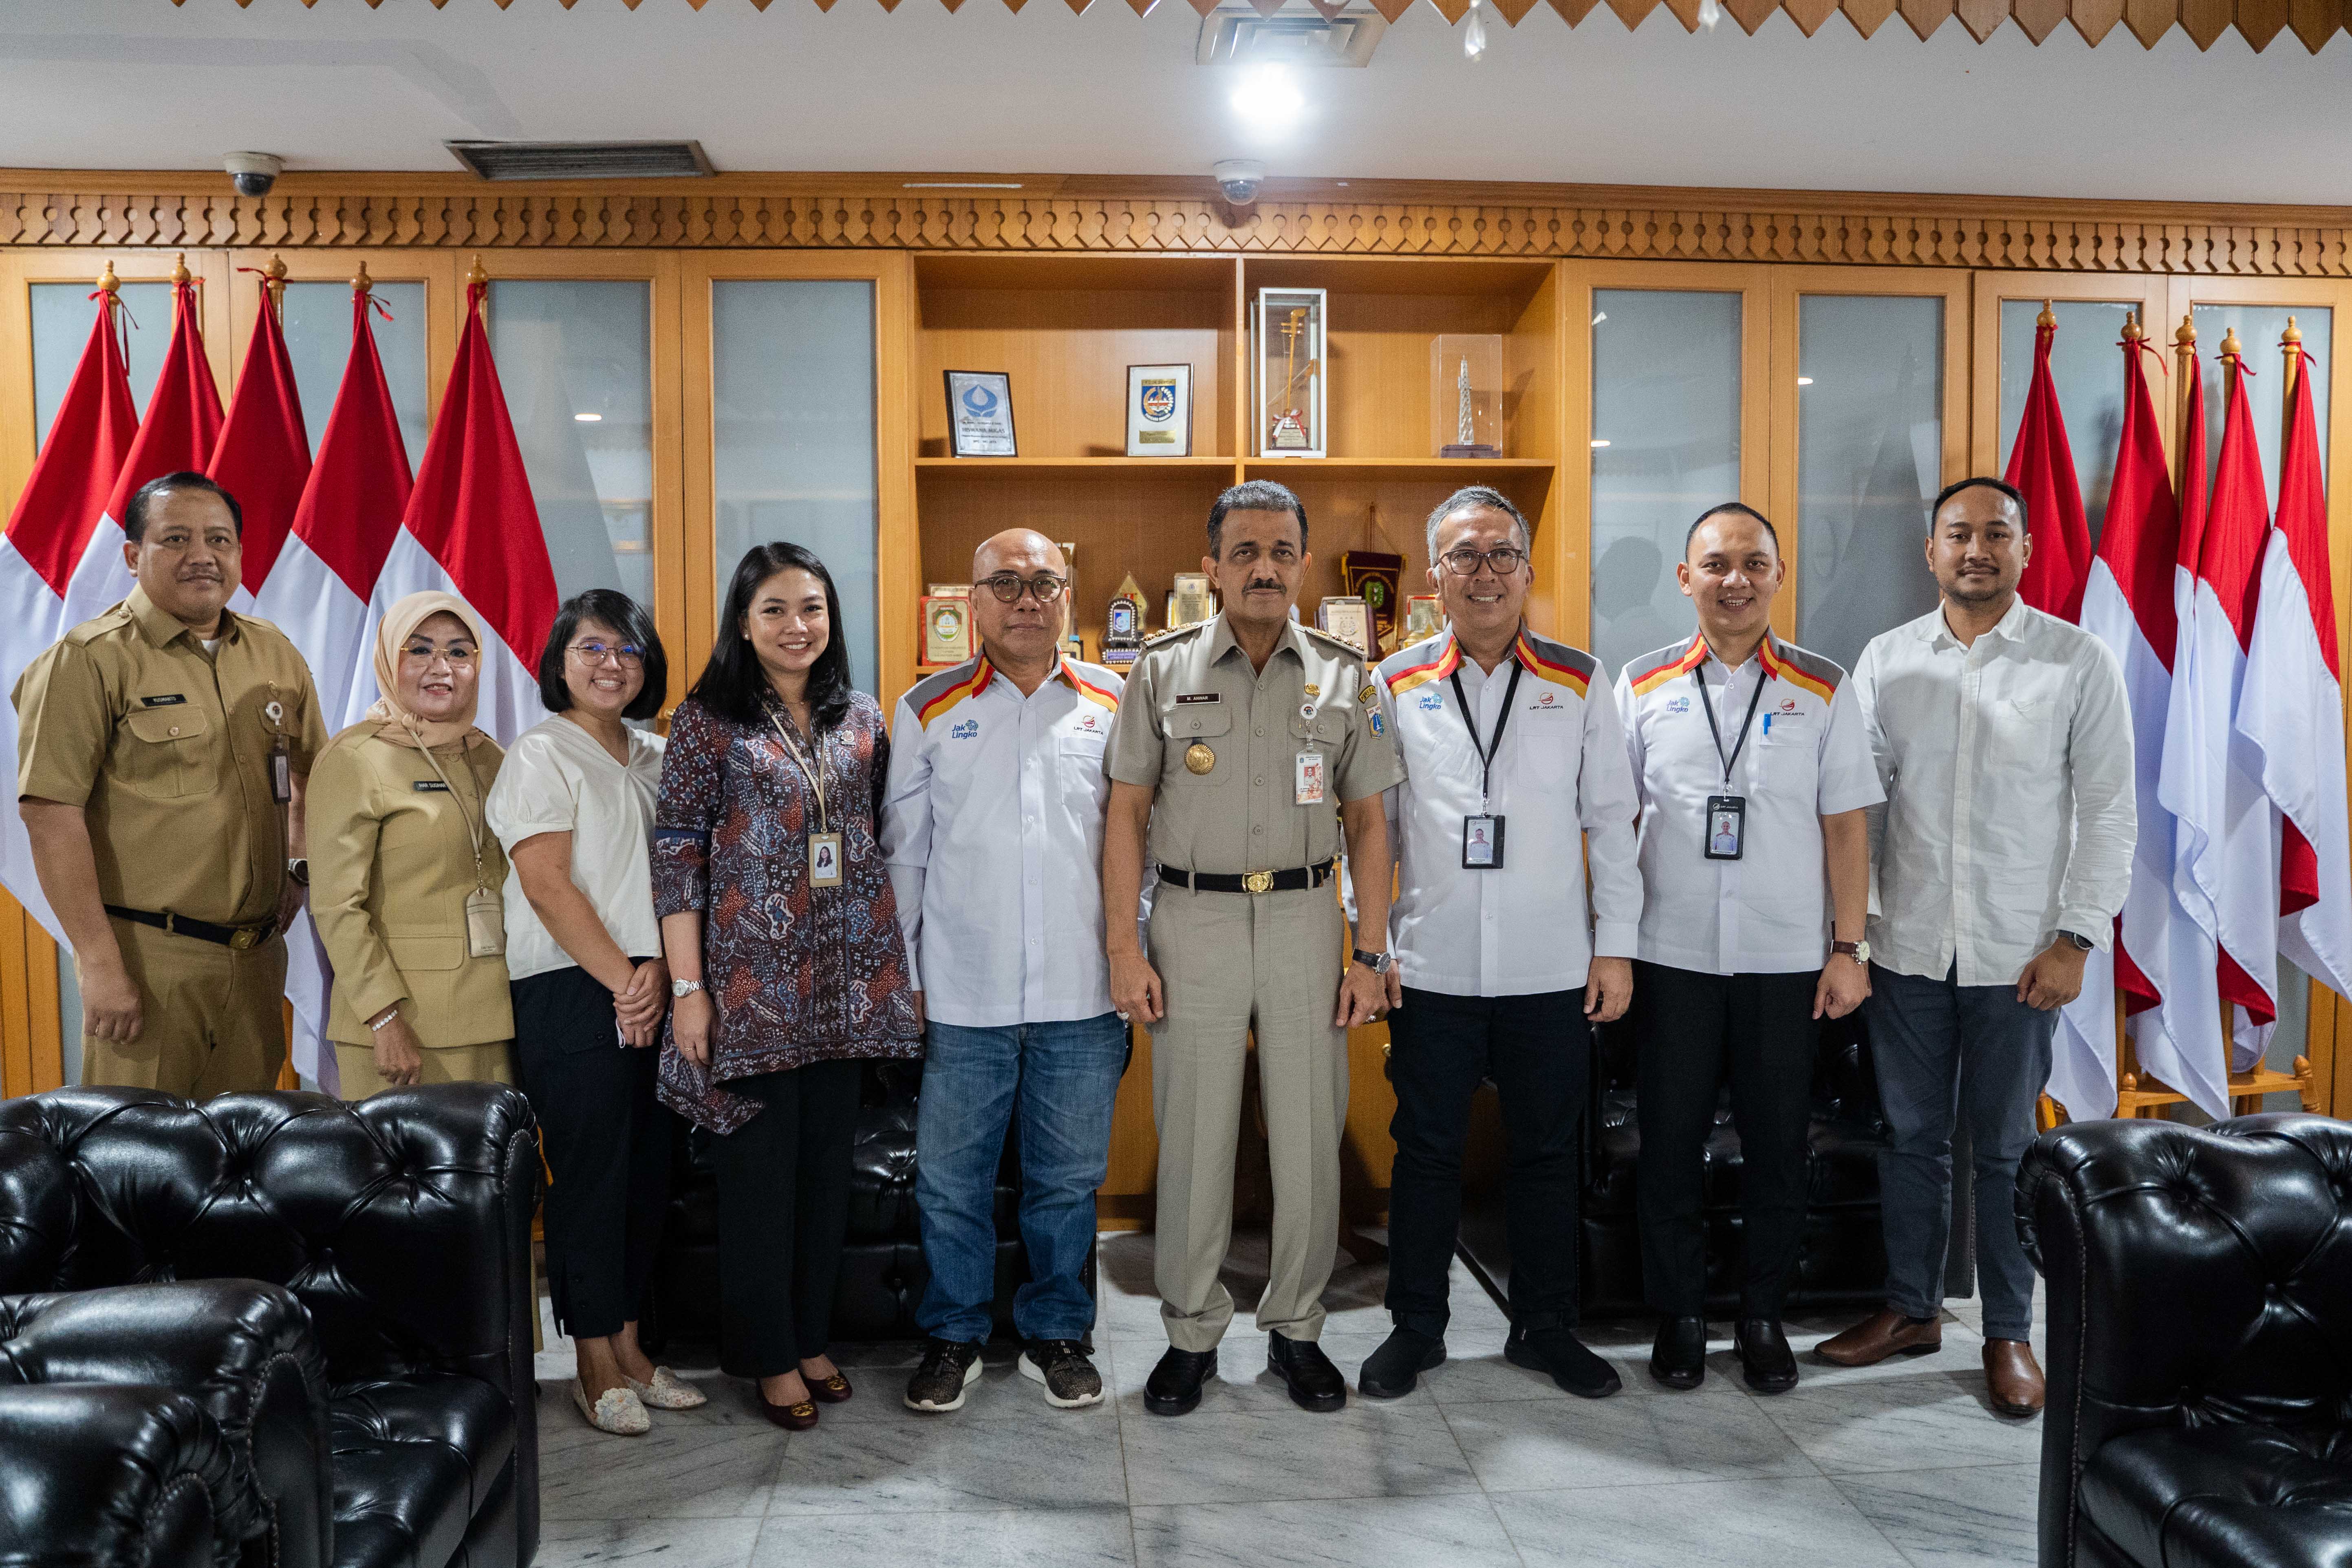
x=1754, y=774
x=993, y=830
x=2004, y=738
x=1514, y=763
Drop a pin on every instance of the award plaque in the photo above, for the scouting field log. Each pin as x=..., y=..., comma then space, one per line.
x=1424, y=616
x=947, y=628
x=1160, y=411
x=979, y=414
x=1466, y=395
x=1287, y=371
x=1347, y=619
x=1372, y=576
x=1123, y=624
x=1192, y=600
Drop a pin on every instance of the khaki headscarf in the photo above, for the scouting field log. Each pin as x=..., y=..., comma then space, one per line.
x=400, y=623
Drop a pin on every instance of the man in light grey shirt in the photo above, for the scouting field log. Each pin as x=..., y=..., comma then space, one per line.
x=2004, y=739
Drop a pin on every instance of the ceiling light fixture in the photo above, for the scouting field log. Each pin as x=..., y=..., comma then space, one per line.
x=1267, y=99
x=589, y=418
x=1474, y=36
x=961, y=186
x=1709, y=14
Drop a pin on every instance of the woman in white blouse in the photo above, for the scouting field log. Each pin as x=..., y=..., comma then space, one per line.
x=573, y=807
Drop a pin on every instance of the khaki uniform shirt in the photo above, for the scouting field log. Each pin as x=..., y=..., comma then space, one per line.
x=391, y=866
x=166, y=750
x=1220, y=743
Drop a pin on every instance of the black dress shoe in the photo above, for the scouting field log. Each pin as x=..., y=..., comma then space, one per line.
x=1174, y=1386
x=1391, y=1371
x=1559, y=1352
x=1314, y=1383
x=1765, y=1358
x=1678, y=1359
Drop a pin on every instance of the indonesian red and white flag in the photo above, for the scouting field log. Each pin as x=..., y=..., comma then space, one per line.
x=473, y=530
x=177, y=435
x=2041, y=470
x=317, y=593
x=2225, y=845
x=263, y=458
x=2291, y=708
x=54, y=517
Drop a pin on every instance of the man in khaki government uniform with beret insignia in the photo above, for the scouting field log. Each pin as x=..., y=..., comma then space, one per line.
x=161, y=751
x=1242, y=748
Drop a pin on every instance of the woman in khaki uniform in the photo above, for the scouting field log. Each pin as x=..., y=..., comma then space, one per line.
x=406, y=876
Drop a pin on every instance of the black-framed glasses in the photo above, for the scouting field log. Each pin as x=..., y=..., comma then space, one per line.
x=629, y=655
x=1503, y=559
x=1009, y=587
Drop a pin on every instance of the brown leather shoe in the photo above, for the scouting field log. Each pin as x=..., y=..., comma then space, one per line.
x=2012, y=1379
x=1881, y=1334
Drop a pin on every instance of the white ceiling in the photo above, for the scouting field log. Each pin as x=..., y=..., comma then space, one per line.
x=131, y=84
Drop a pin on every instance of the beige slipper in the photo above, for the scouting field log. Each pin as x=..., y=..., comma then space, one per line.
x=616, y=1410
x=668, y=1391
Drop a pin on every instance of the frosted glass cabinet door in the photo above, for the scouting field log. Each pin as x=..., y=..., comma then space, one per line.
x=2087, y=368
x=62, y=314
x=318, y=322
x=1665, y=445
x=2259, y=329
x=1870, y=442
x=793, y=440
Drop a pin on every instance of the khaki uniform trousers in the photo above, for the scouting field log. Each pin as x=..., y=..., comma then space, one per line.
x=492, y=1063
x=211, y=1018
x=1232, y=962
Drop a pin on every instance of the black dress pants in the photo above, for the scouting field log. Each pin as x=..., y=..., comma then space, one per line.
x=1692, y=1029
x=784, y=1209
x=1539, y=1051
x=606, y=1140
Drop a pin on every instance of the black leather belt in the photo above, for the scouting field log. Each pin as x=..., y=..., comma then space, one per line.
x=242, y=939
x=1289, y=881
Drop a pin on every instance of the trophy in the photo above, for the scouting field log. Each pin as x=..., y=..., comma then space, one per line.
x=947, y=627
x=1372, y=576
x=1192, y=600
x=1424, y=616
x=1288, y=373
x=1465, y=370
x=1123, y=624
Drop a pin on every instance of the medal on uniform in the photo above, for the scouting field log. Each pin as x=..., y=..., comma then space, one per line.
x=1199, y=758
x=1726, y=825
x=1310, y=779
x=824, y=859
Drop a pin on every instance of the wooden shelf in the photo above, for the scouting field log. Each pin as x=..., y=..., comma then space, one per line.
x=1066, y=467
x=1407, y=469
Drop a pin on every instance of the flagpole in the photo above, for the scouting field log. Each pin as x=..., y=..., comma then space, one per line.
x=2291, y=346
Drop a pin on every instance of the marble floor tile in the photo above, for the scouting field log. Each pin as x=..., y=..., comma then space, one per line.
x=1008, y=1538
x=1001, y=1390
x=1532, y=1445
x=1931, y=1422
x=644, y=1542
x=1244, y=1383
x=1286, y=1453
x=1036, y=1458
x=1724, y=1524
x=1456, y=1530
x=1976, y=1518
x=715, y=1463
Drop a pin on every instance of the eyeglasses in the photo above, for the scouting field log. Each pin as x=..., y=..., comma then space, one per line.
x=1008, y=587
x=1503, y=559
x=454, y=654
x=628, y=654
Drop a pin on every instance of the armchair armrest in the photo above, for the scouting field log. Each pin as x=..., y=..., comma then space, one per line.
x=119, y=1476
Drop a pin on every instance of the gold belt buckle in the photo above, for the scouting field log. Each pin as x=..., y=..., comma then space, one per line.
x=1258, y=883
x=246, y=940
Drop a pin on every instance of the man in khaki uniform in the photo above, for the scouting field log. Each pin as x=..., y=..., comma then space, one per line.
x=160, y=768
x=1242, y=747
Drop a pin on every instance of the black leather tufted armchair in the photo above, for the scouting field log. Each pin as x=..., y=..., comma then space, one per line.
x=2200, y=1308
x=149, y=1479
x=365, y=1298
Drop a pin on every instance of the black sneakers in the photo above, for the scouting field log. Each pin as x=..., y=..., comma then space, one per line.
x=1559, y=1352
x=1395, y=1370
x=1070, y=1380
x=950, y=1366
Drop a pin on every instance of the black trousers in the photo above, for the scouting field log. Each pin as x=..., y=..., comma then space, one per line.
x=608, y=1144
x=1691, y=1029
x=1539, y=1050
x=784, y=1209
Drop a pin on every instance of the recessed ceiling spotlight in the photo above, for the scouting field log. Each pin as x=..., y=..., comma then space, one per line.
x=1267, y=99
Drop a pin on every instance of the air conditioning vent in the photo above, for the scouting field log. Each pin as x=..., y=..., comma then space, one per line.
x=1237, y=35
x=583, y=159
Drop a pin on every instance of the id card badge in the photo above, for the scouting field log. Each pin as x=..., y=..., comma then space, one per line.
x=1482, y=843
x=824, y=859
x=1726, y=826
x=282, y=764
x=1310, y=780
x=485, y=923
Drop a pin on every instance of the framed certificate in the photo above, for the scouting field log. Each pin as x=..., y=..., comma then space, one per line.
x=947, y=628
x=1160, y=411
x=1348, y=619
x=979, y=414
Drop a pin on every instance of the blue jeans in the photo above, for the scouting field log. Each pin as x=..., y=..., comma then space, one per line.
x=1062, y=1080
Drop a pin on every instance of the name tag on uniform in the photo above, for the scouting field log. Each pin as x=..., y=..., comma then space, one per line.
x=824, y=859
x=169, y=700
x=1200, y=697
x=1726, y=826
x=422, y=786
x=1482, y=843
x=1310, y=780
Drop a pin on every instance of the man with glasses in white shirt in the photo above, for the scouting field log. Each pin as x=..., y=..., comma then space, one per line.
x=1514, y=764
x=993, y=829
x=2003, y=738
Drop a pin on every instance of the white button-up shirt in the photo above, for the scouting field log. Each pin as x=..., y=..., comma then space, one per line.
x=2007, y=771
x=1807, y=757
x=1559, y=781
x=994, y=828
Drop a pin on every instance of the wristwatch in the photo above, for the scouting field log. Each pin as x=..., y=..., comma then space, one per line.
x=2085, y=942
x=298, y=868
x=684, y=987
x=1858, y=951
x=1377, y=962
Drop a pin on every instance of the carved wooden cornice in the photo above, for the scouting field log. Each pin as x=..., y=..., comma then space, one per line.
x=1170, y=215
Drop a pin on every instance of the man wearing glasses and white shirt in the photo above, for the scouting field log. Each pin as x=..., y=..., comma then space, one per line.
x=2003, y=736
x=993, y=829
x=1514, y=764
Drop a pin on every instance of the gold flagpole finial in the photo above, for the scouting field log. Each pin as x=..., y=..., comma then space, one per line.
x=2133, y=332
x=179, y=273
x=2293, y=333
x=475, y=274
x=106, y=281
x=360, y=283
x=275, y=274
x=2230, y=348
x=2048, y=318
x=2184, y=337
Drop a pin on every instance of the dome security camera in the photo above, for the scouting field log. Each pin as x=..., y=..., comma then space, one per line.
x=1239, y=178
x=254, y=172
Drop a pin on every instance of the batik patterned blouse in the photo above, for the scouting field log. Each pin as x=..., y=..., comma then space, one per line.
x=798, y=973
